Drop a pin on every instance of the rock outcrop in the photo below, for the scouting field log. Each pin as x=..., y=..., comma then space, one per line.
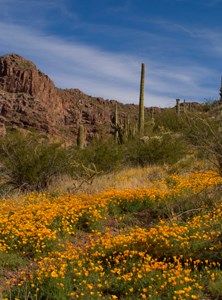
x=29, y=99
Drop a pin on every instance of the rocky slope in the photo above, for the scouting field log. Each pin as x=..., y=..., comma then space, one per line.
x=30, y=100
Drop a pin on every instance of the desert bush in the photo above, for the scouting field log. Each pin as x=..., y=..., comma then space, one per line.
x=166, y=149
x=29, y=162
x=106, y=156
x=169, y=120
x=208, y=105
x=204, y=133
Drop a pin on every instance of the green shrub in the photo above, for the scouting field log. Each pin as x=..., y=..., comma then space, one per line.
x=157, y=150
x=204, y=133
x=11, y=261
x=105, y=156
x=108, y=157
x=169, y=120
x=29, y=162
x=215, y=288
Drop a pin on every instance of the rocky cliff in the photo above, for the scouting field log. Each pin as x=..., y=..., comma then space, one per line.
x=29, y=99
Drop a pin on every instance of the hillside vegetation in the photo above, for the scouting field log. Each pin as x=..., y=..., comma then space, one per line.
x=137, y=219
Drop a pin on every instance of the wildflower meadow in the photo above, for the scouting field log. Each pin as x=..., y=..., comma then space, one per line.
x=162, y=242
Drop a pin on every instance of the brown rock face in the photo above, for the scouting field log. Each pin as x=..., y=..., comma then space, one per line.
x=29, y=99
x=29, y=94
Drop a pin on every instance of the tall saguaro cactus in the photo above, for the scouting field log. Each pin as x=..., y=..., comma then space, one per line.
x=221, y=90
x=116, y=133
x=141, y=103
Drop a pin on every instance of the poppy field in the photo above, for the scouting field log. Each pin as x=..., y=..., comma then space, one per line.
x=161, y=242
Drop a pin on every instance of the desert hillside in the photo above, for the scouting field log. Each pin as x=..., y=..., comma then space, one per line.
x=131, y=211
x=30, y=100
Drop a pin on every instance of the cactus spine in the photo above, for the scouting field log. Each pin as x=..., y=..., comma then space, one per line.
x=141, y=102
x=81, y=137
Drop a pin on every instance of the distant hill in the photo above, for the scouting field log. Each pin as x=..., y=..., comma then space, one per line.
x=30, y=100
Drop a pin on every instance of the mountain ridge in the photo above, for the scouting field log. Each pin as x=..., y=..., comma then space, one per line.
x=29, y=99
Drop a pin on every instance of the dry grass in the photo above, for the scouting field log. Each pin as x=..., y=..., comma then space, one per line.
x=125, y=179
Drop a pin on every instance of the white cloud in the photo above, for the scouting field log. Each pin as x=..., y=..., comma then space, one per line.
x=71, y=64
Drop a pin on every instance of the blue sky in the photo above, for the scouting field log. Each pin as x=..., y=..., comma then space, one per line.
x=98, y=45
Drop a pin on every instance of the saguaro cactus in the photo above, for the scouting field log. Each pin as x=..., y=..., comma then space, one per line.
x=221, y=90
x=81, y=137
x=141, y=103
x=184, y=106
x=116, y=133
x=127, y=127
x=118, y=129
x=178, y=107
x=152, y=118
